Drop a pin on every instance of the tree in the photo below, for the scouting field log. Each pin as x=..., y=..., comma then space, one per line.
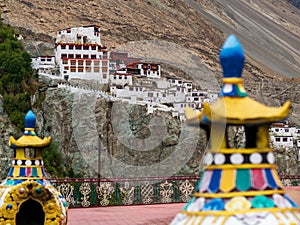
x=17, y=79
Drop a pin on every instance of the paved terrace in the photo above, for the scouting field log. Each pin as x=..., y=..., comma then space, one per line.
x=159, y=214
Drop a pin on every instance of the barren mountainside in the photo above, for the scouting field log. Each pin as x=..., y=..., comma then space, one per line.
x=183, y=32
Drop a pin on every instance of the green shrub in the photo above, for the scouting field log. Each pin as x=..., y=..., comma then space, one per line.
x=53, y=161
x=17, y=79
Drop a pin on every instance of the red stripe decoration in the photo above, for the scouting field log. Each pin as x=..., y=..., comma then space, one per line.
x=258, y=179
x=28, y=171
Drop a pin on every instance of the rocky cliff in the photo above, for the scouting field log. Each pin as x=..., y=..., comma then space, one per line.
x=7, y=129
x=117, y=139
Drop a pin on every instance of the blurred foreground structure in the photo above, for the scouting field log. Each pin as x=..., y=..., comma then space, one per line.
x=239, y=185
x=26, y=196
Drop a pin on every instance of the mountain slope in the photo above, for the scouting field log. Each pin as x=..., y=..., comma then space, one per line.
x=269, y=30
x=189, y=31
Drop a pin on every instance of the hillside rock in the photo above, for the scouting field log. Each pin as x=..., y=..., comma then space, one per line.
x=118, y=139
x=7, y=129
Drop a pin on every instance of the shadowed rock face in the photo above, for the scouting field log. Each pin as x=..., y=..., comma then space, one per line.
x=295, y=3
x=89, y=127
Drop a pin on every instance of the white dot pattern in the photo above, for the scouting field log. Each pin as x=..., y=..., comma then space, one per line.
x=208, y=159
x=236, y=158
x=219, y=159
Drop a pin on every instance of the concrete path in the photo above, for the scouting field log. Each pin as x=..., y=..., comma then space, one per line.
x=160, y=214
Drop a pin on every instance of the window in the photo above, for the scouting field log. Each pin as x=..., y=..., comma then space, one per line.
x=93, y=56
x=73, y=69
x=73, y=62
x=130, y=88
x=196, y=99
x=63, y=47
x=71, y=47
x=80, y=69
x=276, y=130
x=85, y=47
x=88, y=69
x=68, y=30
x=80, y=63
x=78, y=47
x=104, y=76
x=150, y=94
x=64, y=56
x=286, y=130
x=179, y=82
x=78, y=56
x=277, y=139
x=88, y=63
x=65, y=61
x=96, y=69
x=284, y=139
x=85, y=56
x=94, y=48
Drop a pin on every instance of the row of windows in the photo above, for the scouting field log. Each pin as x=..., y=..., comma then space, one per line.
x=78, y=56
x=136, y=89
x=79, y=47
x=82, y=56
x=194, y=99
x=85, y=69
x=151, y=94
x=192, y=105
x=87, y=63
x=46, y=59
x=285, y=130
x=284, y=139
x=120, y=77
x=174, y=81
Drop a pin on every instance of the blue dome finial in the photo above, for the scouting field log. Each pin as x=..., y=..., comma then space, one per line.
x=30, y=120
x=232, y=57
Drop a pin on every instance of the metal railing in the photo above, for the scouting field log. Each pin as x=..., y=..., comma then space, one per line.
x=138, y=191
